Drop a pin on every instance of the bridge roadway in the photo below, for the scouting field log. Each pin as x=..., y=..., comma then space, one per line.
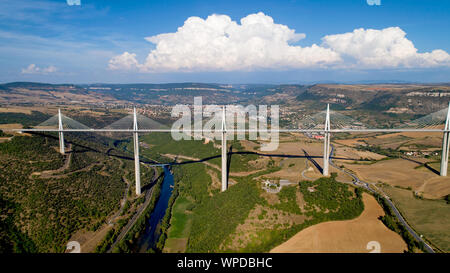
x=395, y=130
x=357, y=182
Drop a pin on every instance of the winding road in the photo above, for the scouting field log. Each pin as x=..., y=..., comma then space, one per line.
x=305, y=170
x=357, y=182
x=130, y=224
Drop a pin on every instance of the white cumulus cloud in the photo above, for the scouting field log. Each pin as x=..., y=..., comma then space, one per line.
x=389, y=47
x=218, y=43
x=33, y=69
x=124, y=61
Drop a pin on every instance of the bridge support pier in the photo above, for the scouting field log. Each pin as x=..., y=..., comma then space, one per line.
x=137, y=166
x=60, y=133
x=445, y=145
x=224, y=154
x=326, y=143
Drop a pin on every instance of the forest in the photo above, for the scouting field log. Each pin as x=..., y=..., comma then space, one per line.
x=44, y=201
x=216, y=215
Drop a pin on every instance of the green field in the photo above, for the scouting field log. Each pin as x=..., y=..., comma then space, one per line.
x=180, y=227
x=428, y=217
x=181, y=219
x=164, y=144
x=194, y=185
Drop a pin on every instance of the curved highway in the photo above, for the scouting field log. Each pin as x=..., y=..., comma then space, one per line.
x=136, y=216
x=359, y=183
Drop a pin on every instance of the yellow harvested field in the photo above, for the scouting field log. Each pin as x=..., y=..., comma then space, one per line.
x=396, y=139
x=412, y=135
x=49, y=109
x=351, y=236
x=400, y=172
x=89, y=240
x=351, y=142
x=353, y=154
x=291, y=170
x=15, y=110
x=296, y=148
x=435, y=188
x=249, y=145
x=8, y=127
x=5, y=127
x=433, y=142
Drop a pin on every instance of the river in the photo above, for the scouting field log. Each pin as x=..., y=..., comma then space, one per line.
x=151, y=234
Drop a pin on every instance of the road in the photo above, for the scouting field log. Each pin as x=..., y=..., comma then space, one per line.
x=124, y=198
x=130, y=224
x=305, y=170
x=357, y=182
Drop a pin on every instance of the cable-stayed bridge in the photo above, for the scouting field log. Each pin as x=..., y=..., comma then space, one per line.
x=325, y=123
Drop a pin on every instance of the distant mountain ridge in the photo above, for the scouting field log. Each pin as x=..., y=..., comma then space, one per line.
x=388, y=97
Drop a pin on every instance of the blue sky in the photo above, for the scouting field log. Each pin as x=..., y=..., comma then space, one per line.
x=51, y=41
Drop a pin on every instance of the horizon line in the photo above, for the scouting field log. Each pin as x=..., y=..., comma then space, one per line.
x=368, y=82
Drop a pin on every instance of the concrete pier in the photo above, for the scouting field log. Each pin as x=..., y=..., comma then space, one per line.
x=224, y=153
x=326, y=143
x=60, y=133
x=445, y=145
x=137, y=166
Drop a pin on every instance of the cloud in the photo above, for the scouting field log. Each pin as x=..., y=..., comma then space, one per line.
x=257, y=43
x=218, y=43
x=125, y=61
x=389, y=47
x=33, y=69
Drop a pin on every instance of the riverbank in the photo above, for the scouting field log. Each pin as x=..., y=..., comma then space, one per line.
x=148, y=240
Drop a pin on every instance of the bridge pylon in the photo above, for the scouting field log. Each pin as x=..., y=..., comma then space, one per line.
x=60, y=133
x=445, y=144
x=326, y=143
x=137, y=167
x=224, y=152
